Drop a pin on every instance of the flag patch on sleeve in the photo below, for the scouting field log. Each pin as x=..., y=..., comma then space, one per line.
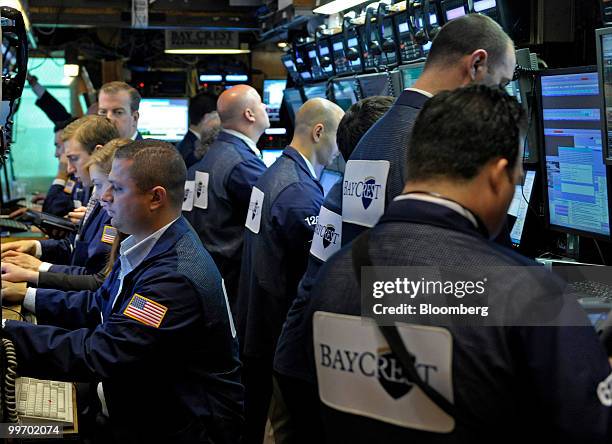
x=108, y=234
x=145, y=310
x=69, y=186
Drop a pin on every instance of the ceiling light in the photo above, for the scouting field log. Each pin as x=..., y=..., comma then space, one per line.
x=207, y=51
x=336, y=6
x=71, y=70
x=282, y=45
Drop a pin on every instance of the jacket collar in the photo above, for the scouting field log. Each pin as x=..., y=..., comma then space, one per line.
x=294, y=155
x=429, y=213
x=412, y=98
x=169, y=239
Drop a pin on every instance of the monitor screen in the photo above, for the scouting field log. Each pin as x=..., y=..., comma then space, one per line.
x=344, y=93
x=576, y=174
x=293, y=101
x=316, y=90
x=374, y=84
x=519, y=207
x=270, y=156
x=328, y=179
x=163, y=119
x=604, y=44
x=514, y=89
x=410, y=74
x=325, y=52
x=453, y=9
x=289, y=64
x=484, y=5
x=273, y=97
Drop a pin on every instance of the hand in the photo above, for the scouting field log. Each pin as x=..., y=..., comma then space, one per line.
x=18, y=212
x=38, y=198
x=25, y=246
x=77, y=215
x=14, y=273
x=32, y=80
x=62, y=168
x=23, y=260
x=12, y=292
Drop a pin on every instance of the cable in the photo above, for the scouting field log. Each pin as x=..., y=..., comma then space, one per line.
x=9, y=380
x=603, y=260
x=15, y=311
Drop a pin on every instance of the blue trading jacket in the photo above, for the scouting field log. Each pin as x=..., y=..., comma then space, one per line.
x=186, y=148
x=157, y=380
x=233, y=170
x=274, y=259
x=387, y=139
x=87, y=254
x=510, y=381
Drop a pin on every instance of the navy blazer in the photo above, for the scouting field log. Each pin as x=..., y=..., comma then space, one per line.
x=186, y=148
x=161, y=377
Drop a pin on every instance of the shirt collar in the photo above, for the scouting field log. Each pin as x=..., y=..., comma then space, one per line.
x=134, y=135
x=309, y=165
x=195, y=133
x=252, y=145
x=440, y=201
x=420, y=91
x=132, y=254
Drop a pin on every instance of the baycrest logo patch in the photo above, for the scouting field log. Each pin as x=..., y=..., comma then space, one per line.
x=329, y=235
x=200, y=189
x=390, y=374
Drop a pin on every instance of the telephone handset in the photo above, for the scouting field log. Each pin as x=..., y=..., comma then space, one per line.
x=8, y=374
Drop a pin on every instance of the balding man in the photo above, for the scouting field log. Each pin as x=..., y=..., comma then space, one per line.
x=219, y=186
x=280, y=224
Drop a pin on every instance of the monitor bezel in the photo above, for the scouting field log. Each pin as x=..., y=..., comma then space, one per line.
x=599, y=34
x=263, y=89
x=542, y=155
x=186, y=99
x=406, y=67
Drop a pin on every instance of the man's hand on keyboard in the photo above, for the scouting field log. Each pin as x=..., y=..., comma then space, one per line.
x=76, y=215
x=15, y=273
x=25, y=246
x=12, y=292
x=23, y=260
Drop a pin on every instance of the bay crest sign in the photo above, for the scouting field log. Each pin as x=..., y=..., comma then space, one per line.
x=196, y=38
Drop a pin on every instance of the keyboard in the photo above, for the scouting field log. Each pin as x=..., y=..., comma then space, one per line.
x=44, y=401
x=591, y=289
x=12, y=225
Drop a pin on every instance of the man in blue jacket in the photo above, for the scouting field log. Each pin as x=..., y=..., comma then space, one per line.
x=506, y=380
x=218, y=187
x=158, y=334
x=282, y=215
x=203, y=117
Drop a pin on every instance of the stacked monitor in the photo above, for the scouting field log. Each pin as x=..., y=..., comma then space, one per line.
x=604, y=65
x=316, y=90
x=520, y=206
x=342, y=65
x=345, y=93
x=164, y=119
x=273, y=97
x=377, y=84
x=289, y=64
x=577, y=183
x=410, y=73
x=293, y=100
x=408, y=50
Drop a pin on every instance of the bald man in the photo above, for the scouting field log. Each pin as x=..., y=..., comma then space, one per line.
x=219, y=185
x=280, y=224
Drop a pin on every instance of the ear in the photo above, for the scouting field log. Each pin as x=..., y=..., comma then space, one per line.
x=136, y=116
x=159, y=197
x=249, y=115
x=97, y=147
x=477, y=64
x=317, y=132
x=497, y=174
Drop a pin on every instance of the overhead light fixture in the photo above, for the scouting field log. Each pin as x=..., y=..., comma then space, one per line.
x=211, y=78
x=207, y=51
x=336, y=6
x=282, y=45
x=71, y=70
x=236, y=78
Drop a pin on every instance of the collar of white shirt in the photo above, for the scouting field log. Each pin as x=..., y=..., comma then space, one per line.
x=134, y=135
x=195, y=133
x=132, y=253
x=309, y=165
x=441, y=201
x=420, y=91
x=245, y=139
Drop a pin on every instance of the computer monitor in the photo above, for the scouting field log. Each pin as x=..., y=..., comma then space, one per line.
x=606, y=11
x=341, y=63
x=328, y=179
x=293, y=101
x=273, y=97
x=377, y=84
x=325, y=53
x=316, y=90
x=344, y=92
x=410, y=74
x=604, y=67
x=408, y=50
x=289, y=64
x=520, y=206
x=316, y=70
x=577, y=183
x=163, y=119
x=453, y=9
x=270, y=156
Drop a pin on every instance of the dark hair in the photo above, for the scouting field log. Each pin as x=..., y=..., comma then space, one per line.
x=200, y=105
x=156, y=163
x=63, y=124
x=464, y=35
x=357, y=121
x=458, y=132
x=116, y=87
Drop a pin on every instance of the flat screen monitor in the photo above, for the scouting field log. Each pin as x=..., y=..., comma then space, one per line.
x=344, y=92
x=577, y=184
x=520, y=206
x=328, y=179
x=163, y=119
x=374, y=84
x=453, y=9
x=293, y=101
x=408, y=50
x=316, y=90
x=325, y=53
x=410, y=74
x=273, y=97
x=341, y=63
x=289, y=64
x=270, y=156
x=604, y=66
x=316, y=70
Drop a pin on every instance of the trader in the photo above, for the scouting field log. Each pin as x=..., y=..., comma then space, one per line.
x=119, y=102
x=158, y=333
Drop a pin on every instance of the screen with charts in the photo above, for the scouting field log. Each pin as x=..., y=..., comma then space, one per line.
x=273, y=97
x=316, y=90
x=270, y=156
x=328, y=179
x=520, y=206
x=163, y=119
x=410, y=74
x=344, y=92
x=604, y=44
x=293, y=101
x=576, y=174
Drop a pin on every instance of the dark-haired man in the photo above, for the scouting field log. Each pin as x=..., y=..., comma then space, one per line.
x=203, y=117
x=119, y=102
x=158, y=334
x=507, y=381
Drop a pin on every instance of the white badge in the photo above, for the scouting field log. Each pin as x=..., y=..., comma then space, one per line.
x=188, y=196
x=253, y=219
x=201, y=190
x=358, y=374
x=77, y=203
x=363, y=191
x=327, y=238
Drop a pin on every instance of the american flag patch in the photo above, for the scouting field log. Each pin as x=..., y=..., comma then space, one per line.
x=108, y=235
x=145, y=310
x=69, y=186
